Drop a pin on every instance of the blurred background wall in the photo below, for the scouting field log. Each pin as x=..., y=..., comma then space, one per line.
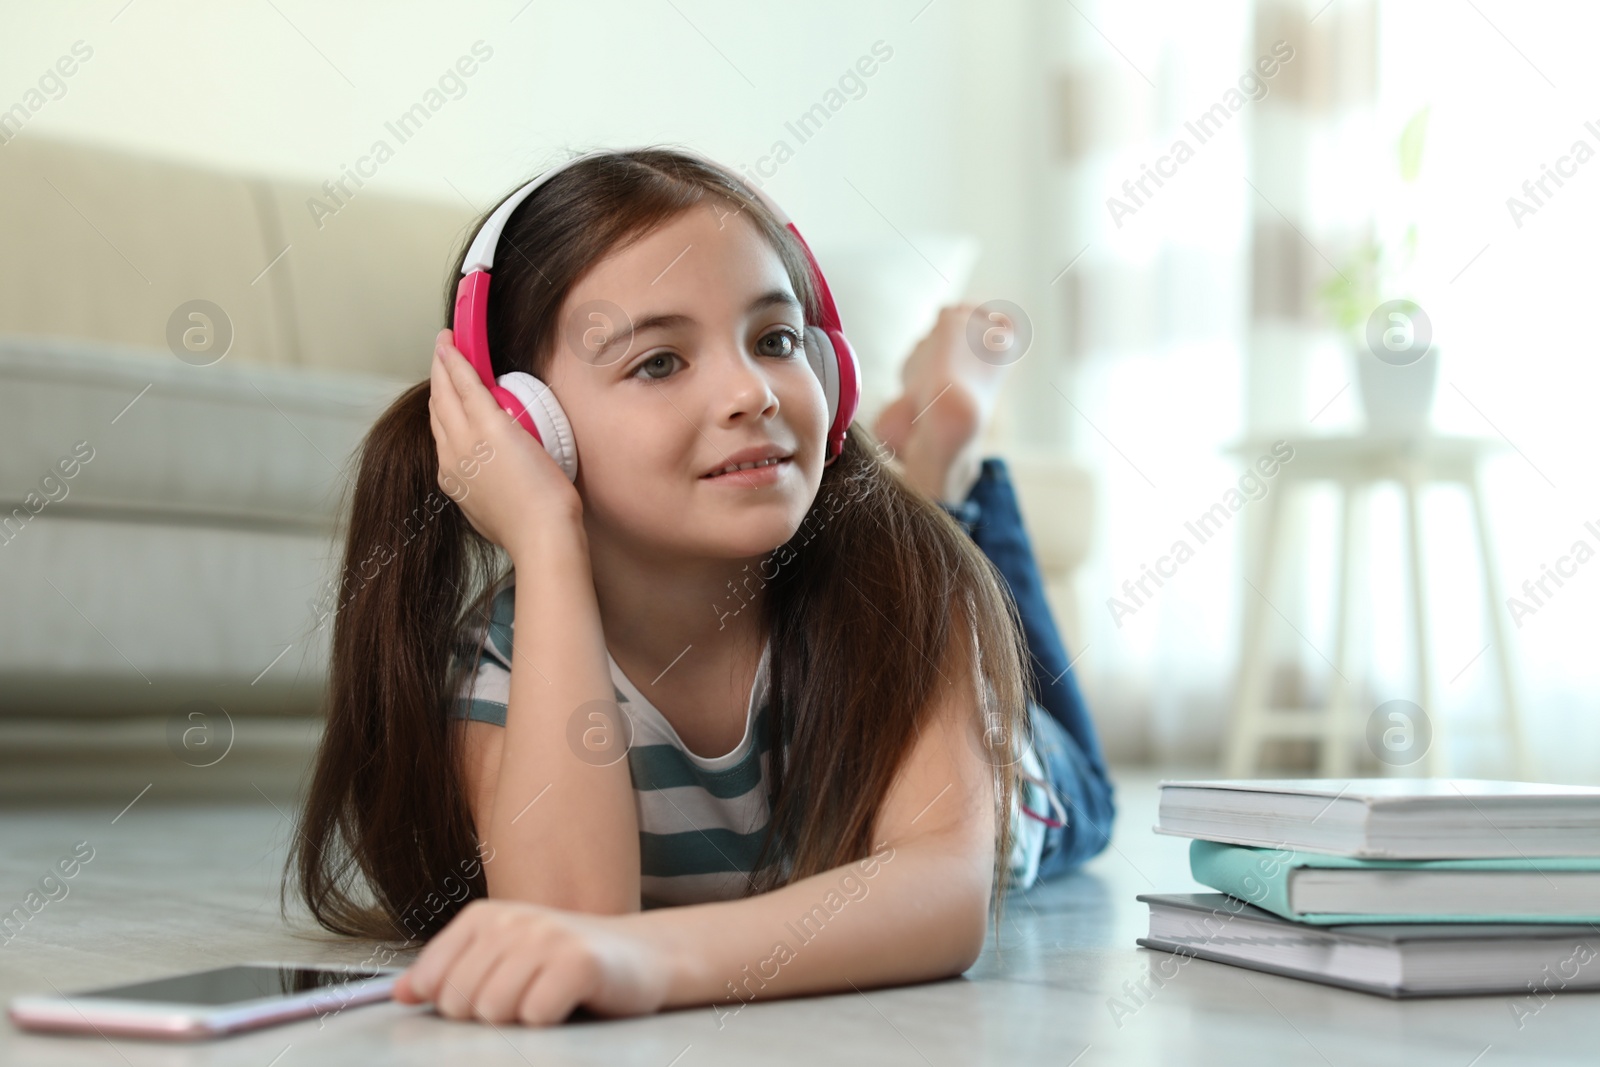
x=157, y=154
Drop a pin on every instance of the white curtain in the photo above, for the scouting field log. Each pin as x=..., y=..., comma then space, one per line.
x=1193, y=321
x=1511, y=296
x=1156, y=312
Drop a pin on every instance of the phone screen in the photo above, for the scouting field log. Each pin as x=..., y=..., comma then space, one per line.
x=232, y=985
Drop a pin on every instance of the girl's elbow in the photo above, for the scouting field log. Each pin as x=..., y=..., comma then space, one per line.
x=956, y=928
x=970, y=932
x=968, y=957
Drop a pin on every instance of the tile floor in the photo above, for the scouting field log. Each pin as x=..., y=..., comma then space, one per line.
x=184, y=887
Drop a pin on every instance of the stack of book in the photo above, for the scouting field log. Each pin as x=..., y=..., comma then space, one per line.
x=1402, y=887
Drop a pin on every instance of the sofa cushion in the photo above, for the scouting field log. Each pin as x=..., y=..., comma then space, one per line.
x=226, y=443
x=105, y=246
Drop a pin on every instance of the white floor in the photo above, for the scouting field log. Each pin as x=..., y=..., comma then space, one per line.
x=173, y=888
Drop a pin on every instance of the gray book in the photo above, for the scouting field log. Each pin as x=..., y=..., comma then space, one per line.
x=1534, y=960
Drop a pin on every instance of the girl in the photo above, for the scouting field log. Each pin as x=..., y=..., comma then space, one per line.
x=827, y=692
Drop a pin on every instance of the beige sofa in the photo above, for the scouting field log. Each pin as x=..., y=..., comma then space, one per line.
x=183, y=558
x=159, y=626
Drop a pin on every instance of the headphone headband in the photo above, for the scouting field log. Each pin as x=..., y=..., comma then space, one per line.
x=481, y=255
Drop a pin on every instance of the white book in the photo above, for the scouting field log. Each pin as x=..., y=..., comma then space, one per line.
x=1388, y=818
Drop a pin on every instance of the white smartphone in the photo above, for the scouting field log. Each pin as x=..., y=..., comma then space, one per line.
x=208, y=1003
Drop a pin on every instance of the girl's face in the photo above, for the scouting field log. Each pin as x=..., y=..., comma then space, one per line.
x=713, y=368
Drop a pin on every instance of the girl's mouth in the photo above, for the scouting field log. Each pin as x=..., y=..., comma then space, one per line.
x=756, y=476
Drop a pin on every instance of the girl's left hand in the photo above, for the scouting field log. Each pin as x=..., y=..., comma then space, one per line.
x=504, y=961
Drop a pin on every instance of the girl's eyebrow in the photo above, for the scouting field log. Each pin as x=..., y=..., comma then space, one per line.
x=649, y=322
x=771, y=298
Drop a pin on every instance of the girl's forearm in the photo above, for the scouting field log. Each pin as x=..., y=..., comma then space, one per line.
x=564, y=828
x=911, y=912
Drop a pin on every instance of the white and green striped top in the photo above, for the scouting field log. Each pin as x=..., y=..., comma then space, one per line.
x=701, y=820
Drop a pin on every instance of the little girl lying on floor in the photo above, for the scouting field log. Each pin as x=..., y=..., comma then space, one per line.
x=671, y=783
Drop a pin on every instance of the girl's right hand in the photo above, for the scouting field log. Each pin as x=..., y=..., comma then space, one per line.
x=510, y=489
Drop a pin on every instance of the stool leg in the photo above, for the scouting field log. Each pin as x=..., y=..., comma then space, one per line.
x=1433, y=759
x=1249, y=710
x=1339, y=736
x=1497, y=630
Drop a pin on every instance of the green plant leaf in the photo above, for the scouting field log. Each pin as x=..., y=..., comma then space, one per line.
x=1411, y=142
x=1349, y=296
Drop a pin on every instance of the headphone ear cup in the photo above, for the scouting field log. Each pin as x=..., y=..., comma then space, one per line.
x=545, y=411
x=848, y=368
x=825, y=365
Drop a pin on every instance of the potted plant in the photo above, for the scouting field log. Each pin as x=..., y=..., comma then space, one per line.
x=1372, y=302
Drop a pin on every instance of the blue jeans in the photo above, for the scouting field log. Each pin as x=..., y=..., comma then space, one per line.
x=1065, y=739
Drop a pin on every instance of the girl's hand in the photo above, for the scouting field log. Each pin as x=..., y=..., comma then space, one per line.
x=507, y=485
x=504, y=961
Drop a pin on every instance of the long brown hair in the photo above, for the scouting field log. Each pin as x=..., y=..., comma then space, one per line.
x=876, y=588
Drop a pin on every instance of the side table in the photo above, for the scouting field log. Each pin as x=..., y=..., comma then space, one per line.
x=1356, y=463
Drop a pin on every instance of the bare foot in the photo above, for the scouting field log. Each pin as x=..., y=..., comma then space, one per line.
x=936, y=425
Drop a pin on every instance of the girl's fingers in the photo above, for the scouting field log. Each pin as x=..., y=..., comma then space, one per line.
x=460, y=995
x=443, y=475
x=424, y=976
x=556, y=990
x=503, y=988
x=474, y=395
x=441, y=436
x=446, y=401
x=438, y=428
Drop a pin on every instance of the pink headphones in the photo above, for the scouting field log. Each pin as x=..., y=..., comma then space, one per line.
x=530, y=401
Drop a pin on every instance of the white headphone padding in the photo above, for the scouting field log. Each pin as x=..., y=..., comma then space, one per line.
x=819, y=351
x=554, y=429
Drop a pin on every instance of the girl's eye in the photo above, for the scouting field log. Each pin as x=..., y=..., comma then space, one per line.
x=780, y=343
x=657, y=367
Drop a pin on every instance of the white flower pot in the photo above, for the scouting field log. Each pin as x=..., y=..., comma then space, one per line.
x=1397, y=398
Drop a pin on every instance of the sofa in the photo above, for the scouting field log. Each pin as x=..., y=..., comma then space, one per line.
x=147, y=593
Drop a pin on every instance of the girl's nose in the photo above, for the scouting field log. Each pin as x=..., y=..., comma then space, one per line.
x=742, y=387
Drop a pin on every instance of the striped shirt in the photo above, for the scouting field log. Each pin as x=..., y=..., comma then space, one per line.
x=701, y=819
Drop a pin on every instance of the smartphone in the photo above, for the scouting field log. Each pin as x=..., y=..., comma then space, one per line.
x=208, y=1003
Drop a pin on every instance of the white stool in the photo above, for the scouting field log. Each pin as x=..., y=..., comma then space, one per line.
x=1356, y=463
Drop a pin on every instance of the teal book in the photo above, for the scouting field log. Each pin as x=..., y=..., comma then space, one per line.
x=1323, y=889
